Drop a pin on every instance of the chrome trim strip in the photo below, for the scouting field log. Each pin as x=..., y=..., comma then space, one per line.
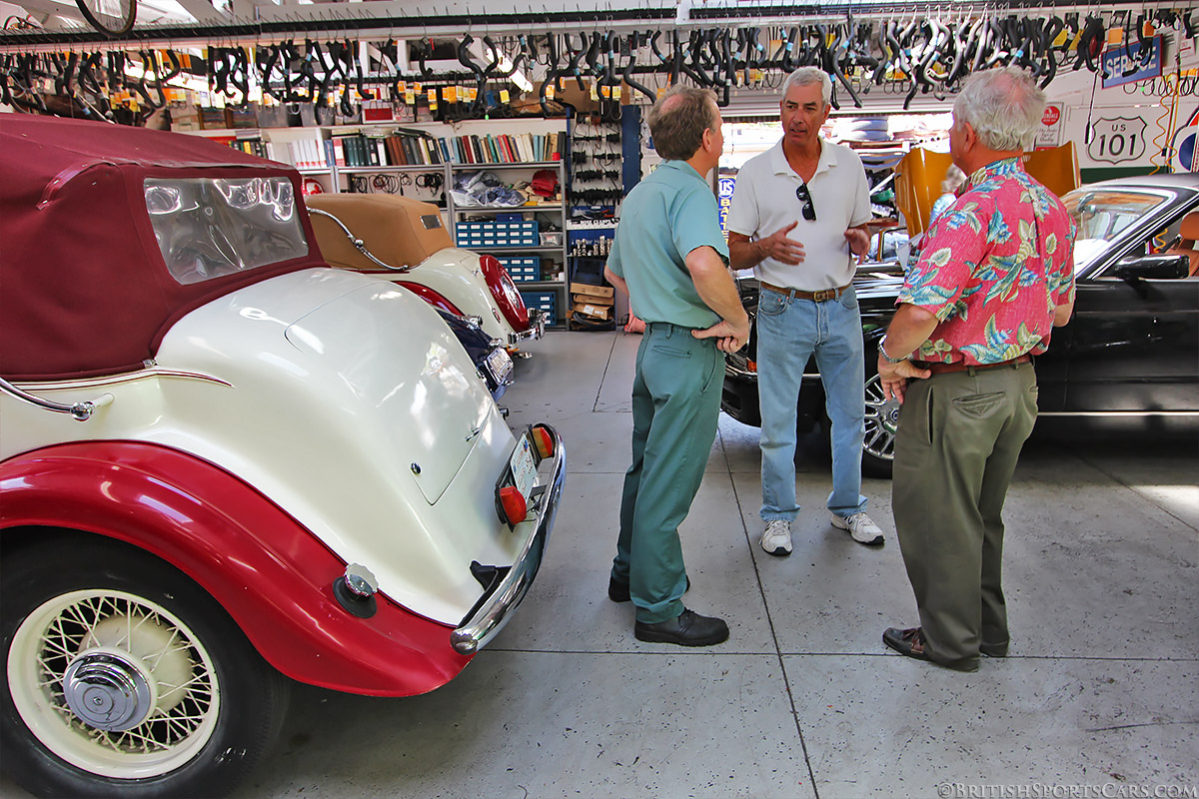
x=92, y=382
x=491, y=617
x=80, y=411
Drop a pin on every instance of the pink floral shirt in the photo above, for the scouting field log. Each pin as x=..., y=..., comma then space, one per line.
x=993, y=268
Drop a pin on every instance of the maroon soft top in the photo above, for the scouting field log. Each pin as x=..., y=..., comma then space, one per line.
x=83, y=287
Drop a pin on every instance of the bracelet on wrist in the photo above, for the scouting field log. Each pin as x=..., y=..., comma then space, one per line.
x=882, y=350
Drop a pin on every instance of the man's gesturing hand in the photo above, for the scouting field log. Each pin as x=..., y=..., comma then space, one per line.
x=781, y=248
x=859, y=241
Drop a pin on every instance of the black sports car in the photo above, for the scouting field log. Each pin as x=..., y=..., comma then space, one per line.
x=490, y=356
x=1131, y=349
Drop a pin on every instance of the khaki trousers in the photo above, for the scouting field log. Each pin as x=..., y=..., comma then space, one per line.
x=956, y=448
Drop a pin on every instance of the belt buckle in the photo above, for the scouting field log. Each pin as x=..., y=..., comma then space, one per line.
x=824, y=295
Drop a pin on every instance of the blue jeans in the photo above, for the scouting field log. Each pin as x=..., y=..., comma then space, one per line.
x=790, y=331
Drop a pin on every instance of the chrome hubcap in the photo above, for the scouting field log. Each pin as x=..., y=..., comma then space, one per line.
x=108, y=690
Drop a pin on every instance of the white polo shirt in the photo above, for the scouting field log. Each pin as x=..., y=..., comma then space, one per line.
x=764, y=201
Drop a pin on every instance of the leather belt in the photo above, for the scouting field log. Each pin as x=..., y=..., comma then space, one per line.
x=823, y=295
x=959, y=366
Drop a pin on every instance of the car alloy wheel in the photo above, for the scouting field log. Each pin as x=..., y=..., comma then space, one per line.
x=882, y=419
x=121, y=677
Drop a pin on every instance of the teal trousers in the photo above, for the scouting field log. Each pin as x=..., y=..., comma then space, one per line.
x=676, y=402
x=958, y=441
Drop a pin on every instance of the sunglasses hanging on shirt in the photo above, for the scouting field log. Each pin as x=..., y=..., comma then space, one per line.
x=809, y=209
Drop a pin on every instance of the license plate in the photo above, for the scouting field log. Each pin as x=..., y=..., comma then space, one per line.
x=500, y=364
x=524, y=469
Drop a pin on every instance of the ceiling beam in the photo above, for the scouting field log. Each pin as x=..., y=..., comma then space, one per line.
x=203, y=11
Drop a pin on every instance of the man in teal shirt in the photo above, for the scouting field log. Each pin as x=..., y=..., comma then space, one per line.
x=670, y=256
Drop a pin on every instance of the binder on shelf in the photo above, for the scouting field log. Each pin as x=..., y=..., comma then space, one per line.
x=330, y=158
x=372, y=154
x=395, y=156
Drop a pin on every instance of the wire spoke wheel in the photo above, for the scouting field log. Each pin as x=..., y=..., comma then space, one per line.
x=110, y=17
x=113, y=683
x=122, y=677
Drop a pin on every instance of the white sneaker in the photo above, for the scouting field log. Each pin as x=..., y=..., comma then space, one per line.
x=860, y=526
x=777, y=538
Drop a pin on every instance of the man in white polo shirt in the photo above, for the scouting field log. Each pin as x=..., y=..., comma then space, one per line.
x=798, y=216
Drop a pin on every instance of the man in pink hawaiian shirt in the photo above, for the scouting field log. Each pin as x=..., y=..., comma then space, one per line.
x=995, y=277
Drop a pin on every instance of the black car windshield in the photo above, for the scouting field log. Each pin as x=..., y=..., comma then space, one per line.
x=1101, y=215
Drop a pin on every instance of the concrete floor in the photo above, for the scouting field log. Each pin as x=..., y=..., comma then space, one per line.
x=1101, y=686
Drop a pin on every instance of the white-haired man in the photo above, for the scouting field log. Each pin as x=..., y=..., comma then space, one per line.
x=993, y=280
x=798, y=216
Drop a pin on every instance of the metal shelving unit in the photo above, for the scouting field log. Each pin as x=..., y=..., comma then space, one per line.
x=553, y=212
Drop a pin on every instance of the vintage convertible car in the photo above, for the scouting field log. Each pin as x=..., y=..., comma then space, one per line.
x=1131, y=350
x=404, y=241
x=223, y=463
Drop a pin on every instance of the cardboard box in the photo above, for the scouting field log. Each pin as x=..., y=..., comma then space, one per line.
x=213, y=119
x=184, y=117
x=594, y=311
x=604, y=292
x=588, y=299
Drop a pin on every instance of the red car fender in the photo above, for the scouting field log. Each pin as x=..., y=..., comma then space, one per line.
x=436, y=299
x=270, y=574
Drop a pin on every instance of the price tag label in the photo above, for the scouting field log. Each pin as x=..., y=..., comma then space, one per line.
x=504, y=96
x=432, y=95
x=549, y=91
x=450, y=95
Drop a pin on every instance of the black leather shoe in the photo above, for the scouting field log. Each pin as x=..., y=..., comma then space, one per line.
x=687, y=629
x=619, y=592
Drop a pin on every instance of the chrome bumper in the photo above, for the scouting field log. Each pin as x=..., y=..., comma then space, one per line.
x=535, y=330
x=490, y=617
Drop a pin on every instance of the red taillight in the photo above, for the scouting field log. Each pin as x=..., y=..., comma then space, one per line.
x=513, y=509
x=505, y=292
x=543, y=441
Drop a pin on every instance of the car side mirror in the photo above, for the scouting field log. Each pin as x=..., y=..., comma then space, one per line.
x=1164, y=266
